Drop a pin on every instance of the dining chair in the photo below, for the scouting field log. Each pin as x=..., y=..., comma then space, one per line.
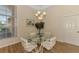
x=28, y=46
x=49, y=43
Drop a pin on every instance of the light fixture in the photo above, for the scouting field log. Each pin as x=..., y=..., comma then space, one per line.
x=40, y=18
x=44, y=13
x=40, y=14
x=36, y=14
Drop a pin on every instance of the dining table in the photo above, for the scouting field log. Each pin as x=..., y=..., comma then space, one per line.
x=42, y=41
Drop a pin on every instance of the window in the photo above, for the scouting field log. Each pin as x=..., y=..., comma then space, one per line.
x=7, y=21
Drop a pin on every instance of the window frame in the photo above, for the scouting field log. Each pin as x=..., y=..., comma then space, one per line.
x=14, y=33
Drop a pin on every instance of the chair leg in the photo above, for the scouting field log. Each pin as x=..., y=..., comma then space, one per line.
x=41, y=49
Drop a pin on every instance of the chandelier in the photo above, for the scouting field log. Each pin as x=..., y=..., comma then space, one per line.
x=40, y=15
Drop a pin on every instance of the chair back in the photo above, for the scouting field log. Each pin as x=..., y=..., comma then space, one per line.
x=28, y=46
x=49, y=43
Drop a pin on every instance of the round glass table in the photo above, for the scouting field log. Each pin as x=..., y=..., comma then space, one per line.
x=43, y=40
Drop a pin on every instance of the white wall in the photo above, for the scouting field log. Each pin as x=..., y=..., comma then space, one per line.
x=23, y=12
x=58, y=18
x=56, y=21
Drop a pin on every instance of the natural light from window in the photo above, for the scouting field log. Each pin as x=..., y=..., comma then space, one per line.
x=7, y=21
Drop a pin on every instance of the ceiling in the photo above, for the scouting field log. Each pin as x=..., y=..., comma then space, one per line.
x=40, y=7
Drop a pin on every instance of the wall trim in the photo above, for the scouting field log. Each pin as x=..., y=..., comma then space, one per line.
x=71, y=43
x=8, y=42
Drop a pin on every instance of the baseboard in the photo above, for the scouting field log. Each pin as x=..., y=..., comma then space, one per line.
x=8, y=42
x=70, y=43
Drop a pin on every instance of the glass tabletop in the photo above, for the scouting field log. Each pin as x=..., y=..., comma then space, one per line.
x=36, y=38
